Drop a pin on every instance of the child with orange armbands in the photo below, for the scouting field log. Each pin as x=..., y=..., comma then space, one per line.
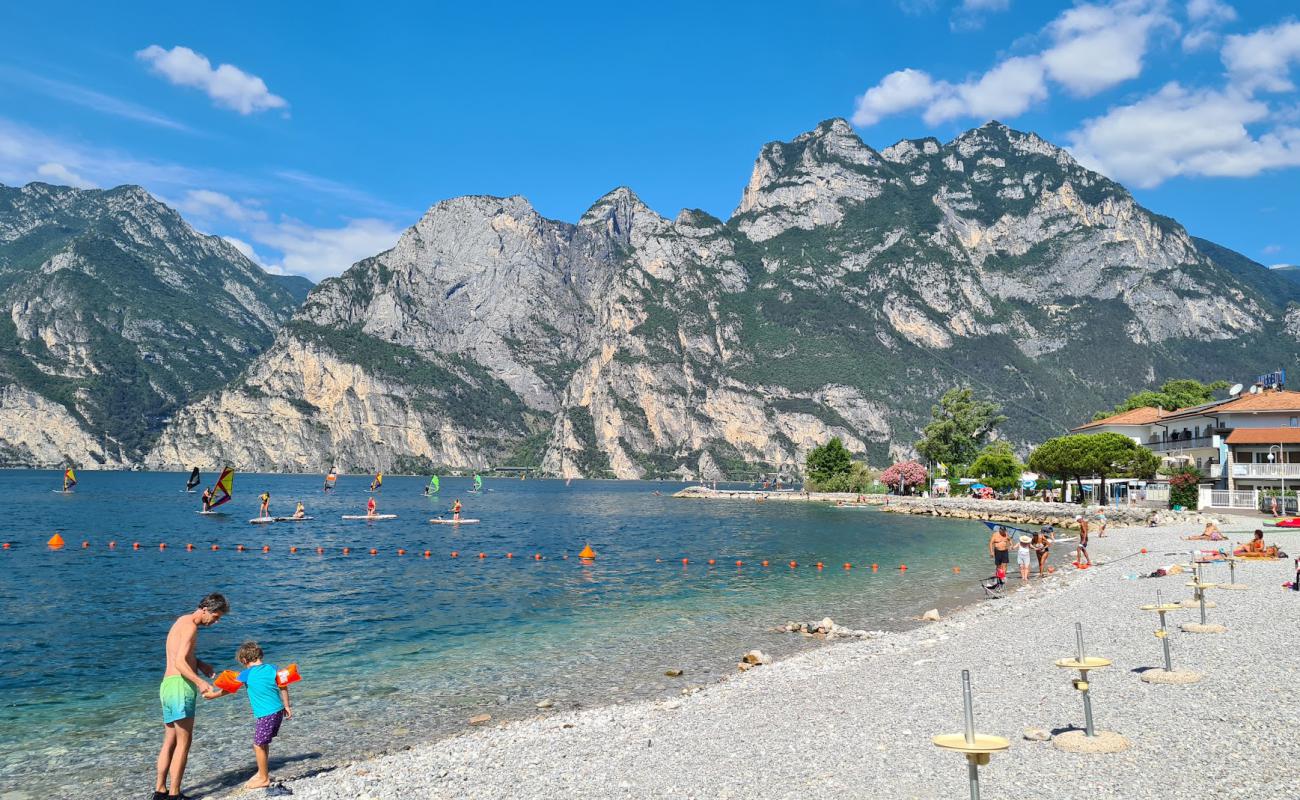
x=270, y=702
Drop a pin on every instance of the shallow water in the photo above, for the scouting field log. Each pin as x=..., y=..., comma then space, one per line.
x=396, y=649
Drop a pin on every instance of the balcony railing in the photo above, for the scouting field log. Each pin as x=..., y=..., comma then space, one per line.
x=1288, y=471
x=1180, y=444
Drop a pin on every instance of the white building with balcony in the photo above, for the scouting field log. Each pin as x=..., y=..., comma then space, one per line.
x=1244, y=444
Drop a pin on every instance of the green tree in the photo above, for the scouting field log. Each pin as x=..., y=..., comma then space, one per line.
x=958, y=427
x=997, y=466
x=826, y=463
x=1172, y=395
x=1105, y=455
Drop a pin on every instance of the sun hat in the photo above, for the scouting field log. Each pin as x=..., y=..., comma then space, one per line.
x=1078, y=518
x=1025, y=539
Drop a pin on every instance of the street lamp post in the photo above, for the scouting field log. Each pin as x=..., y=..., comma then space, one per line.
x=1281, y=471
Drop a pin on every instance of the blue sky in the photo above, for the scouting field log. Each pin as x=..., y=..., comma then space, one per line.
x=312, y=134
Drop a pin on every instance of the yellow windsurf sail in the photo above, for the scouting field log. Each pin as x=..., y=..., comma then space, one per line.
x=223, y=489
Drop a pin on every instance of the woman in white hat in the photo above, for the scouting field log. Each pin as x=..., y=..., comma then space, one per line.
x=1023, y=550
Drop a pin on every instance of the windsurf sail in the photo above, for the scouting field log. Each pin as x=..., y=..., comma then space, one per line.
x=223, y=489
x=193, y=481
x=478, y=483
x=434, y=485
x=378, y=482
x=69, y=478
x=330, y=478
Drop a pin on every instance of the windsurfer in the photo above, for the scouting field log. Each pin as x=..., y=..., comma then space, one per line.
x=330, y=478
x=378, y=482
x=207, y=500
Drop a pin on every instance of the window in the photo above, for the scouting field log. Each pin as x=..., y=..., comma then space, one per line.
x=1295, y=421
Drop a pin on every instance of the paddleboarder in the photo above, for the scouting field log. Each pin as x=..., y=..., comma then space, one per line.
x=370, y=507
x=300, y=511
x=455, y=510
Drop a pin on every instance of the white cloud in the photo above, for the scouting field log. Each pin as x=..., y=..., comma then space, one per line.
x=1097, y=47
x=898, y=91
x=60, y=174
x=88, y=98
x=208, y=204
x=985, y=5
x=1094, y=47
x=1210, y=11
x=1177, y=131
x=251, y=254
x=1263, y=59
x=322, y=252
x=227, y=85
x=1004, y=91
x=970, y=14
x=1271, y=249
x=25, y=153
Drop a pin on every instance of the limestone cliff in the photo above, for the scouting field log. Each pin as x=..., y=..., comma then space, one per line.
x=849, y=289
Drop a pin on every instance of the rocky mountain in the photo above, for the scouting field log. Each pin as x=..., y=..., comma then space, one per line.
x=848, y=290
x=116, y=313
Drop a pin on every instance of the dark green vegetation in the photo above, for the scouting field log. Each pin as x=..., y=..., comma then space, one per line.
x=997, y=466
x=959, y=425
x=1172, y=395
x=119, y=311
x=1105, y=455
x=830, y=468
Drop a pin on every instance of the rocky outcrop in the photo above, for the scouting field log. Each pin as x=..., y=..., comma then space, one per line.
x=850, y=288
x=116, y=313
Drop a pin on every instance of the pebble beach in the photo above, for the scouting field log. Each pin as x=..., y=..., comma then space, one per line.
x=855, y=719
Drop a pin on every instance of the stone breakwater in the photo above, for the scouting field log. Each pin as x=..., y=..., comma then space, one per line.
x=1026, y=512
x=705, y=493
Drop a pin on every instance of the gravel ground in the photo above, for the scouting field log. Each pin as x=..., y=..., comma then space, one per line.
x=855, y=720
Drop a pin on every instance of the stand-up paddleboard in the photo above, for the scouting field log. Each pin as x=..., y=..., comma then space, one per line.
x=367, y=517
x=292, y=519
x=267, y=520
x=441, y=521
x=60, y=491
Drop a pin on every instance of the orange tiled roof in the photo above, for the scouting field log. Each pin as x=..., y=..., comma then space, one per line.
x=1264, y=401
x=1265, y=435
x=1137, y=416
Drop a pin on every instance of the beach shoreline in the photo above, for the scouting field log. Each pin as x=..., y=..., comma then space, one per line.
x=859, y=698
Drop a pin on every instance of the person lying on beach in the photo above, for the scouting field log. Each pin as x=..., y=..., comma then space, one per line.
x=1256, y=547
x=1213, y=536
x=270, y=704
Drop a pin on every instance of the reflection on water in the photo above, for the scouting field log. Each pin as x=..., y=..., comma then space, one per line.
x=397, y=649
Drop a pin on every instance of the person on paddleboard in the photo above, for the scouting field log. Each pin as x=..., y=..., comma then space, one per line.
x=300, y=511
x=370, y=507
x=455, y=509
x=265, y=510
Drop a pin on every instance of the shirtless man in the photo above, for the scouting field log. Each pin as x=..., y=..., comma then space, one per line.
x=999, y=544
x=181, y=686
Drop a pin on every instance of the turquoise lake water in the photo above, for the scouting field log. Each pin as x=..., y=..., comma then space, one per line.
x=395, y=650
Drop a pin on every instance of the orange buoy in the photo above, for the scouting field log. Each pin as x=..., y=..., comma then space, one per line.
x=537, y=556
x=740, y=563
x=711, y=562
x=214, y=547
x=819, y=565
x=162, y=545
x=266, y=548
x=320, y=551
x=293, y=549
x=1144, y=550
x=659, y=561
x=428, y=553
x=875, y=567
x=84, y=545
x=374, y=552
x=847, y=565
x=455, y=554
x=347, y=550
x=794, y=564
x=55, y=542
x=902, y=568
x=956, y=570
x=6, y=546
x=765, y=563
x=482, y=555
x=587, y=552
x=135, y=545
x=239, y=547
x=510, y=555
x=401, y=552
x=189, y=547
x=686, y=561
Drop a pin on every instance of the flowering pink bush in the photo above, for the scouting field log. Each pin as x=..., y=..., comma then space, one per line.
x=910, y=473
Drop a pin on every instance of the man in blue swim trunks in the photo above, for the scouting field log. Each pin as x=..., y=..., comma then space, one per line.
x=181, y=686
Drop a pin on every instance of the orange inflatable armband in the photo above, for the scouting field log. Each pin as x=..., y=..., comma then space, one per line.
x=228, y=682
x=287, y=676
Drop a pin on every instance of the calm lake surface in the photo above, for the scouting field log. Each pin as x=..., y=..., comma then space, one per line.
x=395, y=649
